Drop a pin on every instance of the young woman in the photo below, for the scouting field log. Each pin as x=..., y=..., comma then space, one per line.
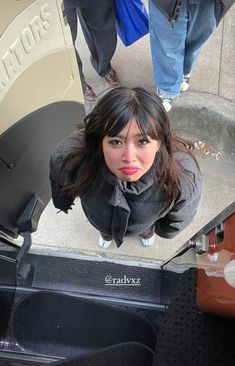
x=134, y=176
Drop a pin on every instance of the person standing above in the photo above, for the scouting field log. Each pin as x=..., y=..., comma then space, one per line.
x=178, y=29
x=97, y=21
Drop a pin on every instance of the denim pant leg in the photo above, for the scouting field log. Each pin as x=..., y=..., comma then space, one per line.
x=175, y=48
x=201, y=24
x=167, y=43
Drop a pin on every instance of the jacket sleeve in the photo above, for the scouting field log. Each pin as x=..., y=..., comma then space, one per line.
x=221, y=8
x=61, y=198
x=185, y=206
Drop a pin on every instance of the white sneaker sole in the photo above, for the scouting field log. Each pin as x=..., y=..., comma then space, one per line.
x=167, y=106
x=104, y=243
x=184, y=86
x=148, y=242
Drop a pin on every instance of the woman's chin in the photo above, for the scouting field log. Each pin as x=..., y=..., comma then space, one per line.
x=129, y=178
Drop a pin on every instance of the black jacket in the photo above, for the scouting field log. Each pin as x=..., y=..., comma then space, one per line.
x=122, y=210
x=171, y=8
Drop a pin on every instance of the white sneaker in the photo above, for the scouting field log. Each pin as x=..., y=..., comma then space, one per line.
x=148, y=242
x=167, y=103
x=185, y=84
x=104, y=243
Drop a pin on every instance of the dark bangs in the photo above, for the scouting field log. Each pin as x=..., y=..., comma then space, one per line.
x=118, y=113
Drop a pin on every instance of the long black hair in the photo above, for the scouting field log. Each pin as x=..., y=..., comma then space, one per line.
x=110, y=116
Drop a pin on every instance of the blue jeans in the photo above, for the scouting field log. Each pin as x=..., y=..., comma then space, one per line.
x=175, y=47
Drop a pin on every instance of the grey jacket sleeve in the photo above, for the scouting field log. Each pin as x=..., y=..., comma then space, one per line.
x=62, y=199
x=221, y=8
x=185, y=207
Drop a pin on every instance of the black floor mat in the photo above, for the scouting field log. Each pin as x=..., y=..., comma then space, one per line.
x=5, y=310
x=128, y=354
x=188, y=337
x=61, y=325
x=89, y=277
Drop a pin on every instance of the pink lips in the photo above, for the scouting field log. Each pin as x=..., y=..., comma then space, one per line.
x=129, y=170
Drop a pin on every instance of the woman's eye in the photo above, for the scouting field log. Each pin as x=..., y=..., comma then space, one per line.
x=115, y=142
x=143, y=142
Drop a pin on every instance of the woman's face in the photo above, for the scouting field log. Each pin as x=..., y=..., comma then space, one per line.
x=129, y=155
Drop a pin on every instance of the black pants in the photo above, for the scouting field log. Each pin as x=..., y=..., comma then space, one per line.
x=97, y=21
x=146, y=235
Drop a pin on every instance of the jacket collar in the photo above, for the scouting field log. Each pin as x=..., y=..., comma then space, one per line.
x=135, y=188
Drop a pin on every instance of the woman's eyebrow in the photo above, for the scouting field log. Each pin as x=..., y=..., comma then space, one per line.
x=125, y=136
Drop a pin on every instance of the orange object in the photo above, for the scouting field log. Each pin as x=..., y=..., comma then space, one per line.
x=216, y=272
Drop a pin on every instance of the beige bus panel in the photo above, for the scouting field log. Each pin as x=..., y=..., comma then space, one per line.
x=37, y=59
x=9, y=10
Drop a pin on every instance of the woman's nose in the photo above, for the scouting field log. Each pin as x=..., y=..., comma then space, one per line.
x=129, y=153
